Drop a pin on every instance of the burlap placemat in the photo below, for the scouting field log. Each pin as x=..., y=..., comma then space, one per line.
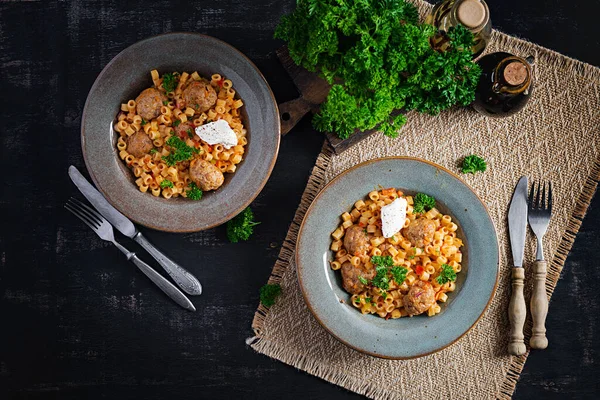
x=556, y=137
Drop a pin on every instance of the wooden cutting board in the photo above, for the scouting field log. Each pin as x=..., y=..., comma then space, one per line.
x=313, y=91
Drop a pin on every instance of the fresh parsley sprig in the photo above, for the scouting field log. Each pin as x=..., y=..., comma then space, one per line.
x=195, y=193
x=472, y=164
x=241, y=226
x=165, y=183
x=269, y=293
x=180, y=151
x=169, y=82
x=447, y=274
x=422, y=203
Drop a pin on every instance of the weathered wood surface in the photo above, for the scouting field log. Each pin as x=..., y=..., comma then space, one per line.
x=79, y=322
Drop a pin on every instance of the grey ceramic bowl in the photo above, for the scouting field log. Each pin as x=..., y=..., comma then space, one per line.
x=404, y=337
x=125, y=77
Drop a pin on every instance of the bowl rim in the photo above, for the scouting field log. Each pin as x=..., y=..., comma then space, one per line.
x=261, y=184
x=299, y=265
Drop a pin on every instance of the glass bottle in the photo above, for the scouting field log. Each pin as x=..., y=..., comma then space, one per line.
x=505, y=85
x=473, y=14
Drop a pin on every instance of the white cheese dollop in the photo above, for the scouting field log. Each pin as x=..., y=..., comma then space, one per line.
x=217, y=132
x=393, y=216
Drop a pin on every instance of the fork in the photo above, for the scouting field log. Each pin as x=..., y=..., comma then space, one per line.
x=539, y=217
x=104, y=229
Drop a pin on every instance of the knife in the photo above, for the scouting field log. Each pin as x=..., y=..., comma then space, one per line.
x=517, y=224
x=182, y=278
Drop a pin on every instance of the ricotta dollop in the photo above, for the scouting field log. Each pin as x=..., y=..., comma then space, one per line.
x=393, y=216
x=217, y=132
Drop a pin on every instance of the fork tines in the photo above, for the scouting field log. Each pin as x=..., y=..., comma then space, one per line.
x=84, y=212
x=539, y=203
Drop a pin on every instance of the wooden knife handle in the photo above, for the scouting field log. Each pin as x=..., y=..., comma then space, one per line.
x=291, y=112
x=539, y=306
x=516, y=313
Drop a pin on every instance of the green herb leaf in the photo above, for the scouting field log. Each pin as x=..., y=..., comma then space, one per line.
x=153, y=151
x=190, y=133
x=144, y=122
x=368, y=300
x=378, y=58
x=447, y=274
x=384, y=261
x=180, y=151
x=169, y=82
x=399, y=274
x=241, y=226
x=176, y=123
x=269, y=293
x=472, y=164
x=381, y=279
x=363, y=280
x=422, y=203
x=165, y=103
x=165, y=183
x=195, y=193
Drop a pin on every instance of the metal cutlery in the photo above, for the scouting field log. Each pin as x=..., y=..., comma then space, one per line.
x=517, y=226
x=183, y=278
x=105, y=231
x=539, y=218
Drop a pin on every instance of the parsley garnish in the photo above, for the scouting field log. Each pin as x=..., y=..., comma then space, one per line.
x=176, y=123
x=386, y=261
x=194, y=193
x=378, y=57
x=381, y=279
x=180, y=151
x=399, y=274
x=363, y=280
x=411, y=256
x=384, y=295
x=165, y=103
x=368, y=300
x=241, y=226
x=447, y=274
x=152, y=151
x=422, y=203
x=144, y=122
x=472, y=164
x=165, y=183
x=190, y=134
x=169, y=82
x=269, y=293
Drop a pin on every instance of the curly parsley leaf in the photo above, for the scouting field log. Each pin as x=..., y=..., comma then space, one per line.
x=381, y=279
x=241, y=226
x=153, y=151
x=378, y=59
x=195, y=193
x=269, y=293
x=399, y=274
x=422, y=203
x=363, y=280
x=180, y=151
x=447, y=274
x=165, y=183
x=169, y=82
x=472, y=164
x=382, y=261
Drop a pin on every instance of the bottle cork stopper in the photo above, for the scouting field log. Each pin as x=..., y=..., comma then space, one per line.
x=515, y=73
x=471, y=13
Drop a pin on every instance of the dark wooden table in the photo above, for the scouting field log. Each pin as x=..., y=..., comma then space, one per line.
x=79, y=322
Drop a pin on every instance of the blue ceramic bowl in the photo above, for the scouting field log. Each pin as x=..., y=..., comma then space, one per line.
x=125, y=77
x=405, y=337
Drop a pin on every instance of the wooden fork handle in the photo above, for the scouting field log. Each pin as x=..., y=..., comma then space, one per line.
x=516, y=313
x=539, y=306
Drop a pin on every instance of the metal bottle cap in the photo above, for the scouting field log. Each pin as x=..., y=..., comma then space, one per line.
x=472, y=13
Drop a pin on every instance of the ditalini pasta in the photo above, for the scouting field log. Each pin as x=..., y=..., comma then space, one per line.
x=157, y=134
x=405, y=274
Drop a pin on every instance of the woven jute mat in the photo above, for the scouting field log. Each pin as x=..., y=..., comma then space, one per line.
x=555, y=137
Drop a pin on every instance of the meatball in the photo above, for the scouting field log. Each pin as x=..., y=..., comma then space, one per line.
x=419, y=298
x=200, y=96
x=356, y=240
x=420, y=231
x=139, y=144
x=350, y=275
x=206, y=175
x=185, y=130
x=149, y=102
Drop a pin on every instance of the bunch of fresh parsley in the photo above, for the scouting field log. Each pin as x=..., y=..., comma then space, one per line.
x=447, y=274
x=241, y=226
x=384, y=267
x=195, y=193
x=379, y=59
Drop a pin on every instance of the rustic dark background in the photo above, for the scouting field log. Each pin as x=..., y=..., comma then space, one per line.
x=78, y=321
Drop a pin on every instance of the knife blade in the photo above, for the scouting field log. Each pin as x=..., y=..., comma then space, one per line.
x=517, y=228
x=118, y=220
x=185, y=280
x=517, y=221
